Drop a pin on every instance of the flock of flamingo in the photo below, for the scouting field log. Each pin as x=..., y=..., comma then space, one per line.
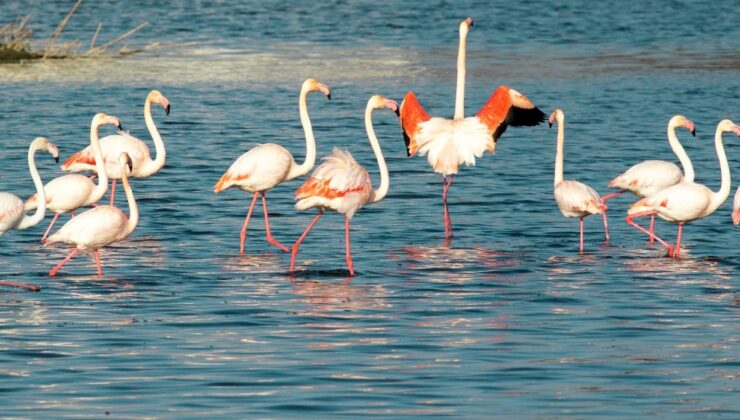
x=340, y=184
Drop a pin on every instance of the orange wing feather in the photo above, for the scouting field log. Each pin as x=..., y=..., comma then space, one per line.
x=320, y=187
x=501, y=111
x=79, y=157
x=412, y=114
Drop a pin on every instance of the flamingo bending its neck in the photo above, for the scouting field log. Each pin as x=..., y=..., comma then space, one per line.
x=112, y=147
x=99, y=226
x=67, y=193
x=574, y=199
x=451, y=142
x=687, y=201
x=268, y=165
x=648, y=177
x=342, y=185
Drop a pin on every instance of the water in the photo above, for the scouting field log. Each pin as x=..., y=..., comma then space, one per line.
x=506, y=320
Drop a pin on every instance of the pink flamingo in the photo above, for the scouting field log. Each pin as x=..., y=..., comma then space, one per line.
x=342, y=185
x=736, y=207
x=113, y=146
x=686, y=201
x=67, y=193
x=648, y=177
x=575, y=199
x=268, y=165
x=99, y=226
x=450, y=142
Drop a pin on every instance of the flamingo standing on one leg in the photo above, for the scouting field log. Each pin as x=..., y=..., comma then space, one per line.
x=575, y=199
x=99, y=226
x=113, y=146
x=648, y=177
x=268, y=165
x=736, y=207
x=448, y=143
x=67, y=193
x=687, y=201
x=342, y=185
x=12, y=213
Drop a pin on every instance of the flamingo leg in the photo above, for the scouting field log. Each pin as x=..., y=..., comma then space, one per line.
x=112, y=191
x=642, y=229
x=606, y=226
x=53, y=220
x=56, y=269
x=270, y=239
x=652, y=228
x=677, y=252
x=612, y=195
x=28, y=286
x=97, y=262
x=347, y=247
x=294, y=249
x=243, y=234
x=581, y=241
x=448, y=222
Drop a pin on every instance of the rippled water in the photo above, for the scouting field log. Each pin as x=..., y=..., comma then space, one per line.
x=506, y=320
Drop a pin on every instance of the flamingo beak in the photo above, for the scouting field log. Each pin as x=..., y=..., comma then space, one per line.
x=736, y=217
x=167, y=109
x=392, y=105
x=325, y=90
x=129, y=163
x=690, y=126
x=736, y=129
x=470, y=22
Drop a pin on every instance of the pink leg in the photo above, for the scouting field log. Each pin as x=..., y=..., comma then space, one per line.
x=677, y=252
x=270, y=239
x=652, y=228
x=448, y=221
x=347, y=247
x=28, y=286
x=97, y=262
x=294, y=250
x=112, y=191
x=54, y=270
x=53, y=220
x=581, y=224
x=612, y=195
x=606, y=226
x=642, y=229
x=243, y=234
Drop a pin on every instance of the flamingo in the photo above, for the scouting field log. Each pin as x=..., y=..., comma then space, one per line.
x=12, y=213
x=342, y=185
x=736, y=207
x=450, y=142
x=686, y=201
x=268, y=165
x=68, y=193
x=575, y=199
x=99, y=226
x=650, y=176
x=112, y=147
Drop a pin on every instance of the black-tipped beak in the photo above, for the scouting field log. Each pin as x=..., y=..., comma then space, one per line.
x=167, y=109
x=693, y=132
x=398, y=111
x=130, y=164
x=120, y=126
x=328, y=96
x=549, y=123
x=56, y=159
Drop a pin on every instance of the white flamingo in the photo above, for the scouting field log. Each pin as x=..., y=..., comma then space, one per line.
x=451, y=142
x=648, y=177
x=99, y=226
x=267, y=165
x=113, y=146
x=342, y=185
x=67, y=193
x=575, y=199
x=687, y=201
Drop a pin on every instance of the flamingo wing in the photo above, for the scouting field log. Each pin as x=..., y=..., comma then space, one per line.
x=508, y=107
x=112, y=146
x=11, y=211
x=259, y=169
x=648, y=177
x=93, y=228
x=411, y=114
x=576, y=199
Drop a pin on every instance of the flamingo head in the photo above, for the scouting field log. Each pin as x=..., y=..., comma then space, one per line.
x=313, y=85
x=681, y=121
x=103, y=119
x=156, y=97
x=727, y=125
x=42, y=143
x=465, y=26
x=378, y=102
x=126, y=163
x=556, y=115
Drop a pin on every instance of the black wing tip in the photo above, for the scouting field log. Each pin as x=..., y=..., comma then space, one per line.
x=527, y=117
x=407, y=140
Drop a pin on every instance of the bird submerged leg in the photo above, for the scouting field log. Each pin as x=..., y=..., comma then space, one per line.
x=96, y=252
x=448, y=222
x=294, y=250
x=606, y=226
x=28, y=286
x=53, y=220
x=677, y=251
x=243, y=234
x=652, y=229
x=270, y=239
x=347, y=247
x=642, y=229
x=580, y=223
x=56, y=269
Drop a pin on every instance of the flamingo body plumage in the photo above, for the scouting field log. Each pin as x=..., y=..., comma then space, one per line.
x=736, y=207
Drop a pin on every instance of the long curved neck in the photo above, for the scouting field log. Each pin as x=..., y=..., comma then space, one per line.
x=724, y=190
x=153, y=165
x=307, y=165
x=559, y=153
x=102, y=186
x=688, y=168
x=385, y=182
x=460, y=90
x=133, y=209
x=29, y=221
